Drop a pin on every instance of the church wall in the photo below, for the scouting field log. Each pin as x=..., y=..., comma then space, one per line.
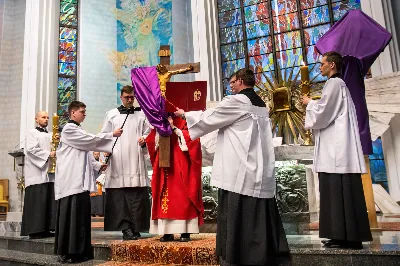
x=182, y=36
x=12, y=20
x=96, y=79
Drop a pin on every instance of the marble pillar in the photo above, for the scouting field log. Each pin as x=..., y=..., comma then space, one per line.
x=206, y=46
x=40, y=62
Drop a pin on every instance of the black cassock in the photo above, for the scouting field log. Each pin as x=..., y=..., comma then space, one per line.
x=73, y=226
x=39, y=209
x=97, y=204
x=127, y=208
x=249, y=230
x=343, y=212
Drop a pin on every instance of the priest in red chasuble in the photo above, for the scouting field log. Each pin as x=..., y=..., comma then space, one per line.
x=176, y=190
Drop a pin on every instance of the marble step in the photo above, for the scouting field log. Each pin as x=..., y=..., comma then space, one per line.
x=45, y=246
x=12, y=257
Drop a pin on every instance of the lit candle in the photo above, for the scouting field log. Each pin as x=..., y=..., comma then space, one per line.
x=305, y=86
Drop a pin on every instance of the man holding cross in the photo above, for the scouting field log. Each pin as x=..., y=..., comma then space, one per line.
x=127, y=198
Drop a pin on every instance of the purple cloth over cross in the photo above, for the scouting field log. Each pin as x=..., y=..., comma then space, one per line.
x=360, y=40
x=147, y=92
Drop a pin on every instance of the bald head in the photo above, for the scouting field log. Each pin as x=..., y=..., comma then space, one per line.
x=42, y=119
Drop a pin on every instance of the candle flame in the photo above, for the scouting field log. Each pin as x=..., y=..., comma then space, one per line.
x=303, y=63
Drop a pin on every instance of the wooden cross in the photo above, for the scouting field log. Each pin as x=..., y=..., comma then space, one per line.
x=165, y=59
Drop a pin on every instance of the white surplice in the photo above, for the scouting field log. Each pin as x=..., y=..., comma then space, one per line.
x=127, y=165
x=74, y=169
x=37, y=152
x=244, y=160
x=334, y=124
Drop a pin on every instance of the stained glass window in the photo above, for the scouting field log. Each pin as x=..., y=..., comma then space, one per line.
x=232, y=51
x=377, y=164
x=287, y=40
x=341, y=7
x=67, y=58
x=312, y=35
x=307, y=4
x=257, y=29
x=256, y=12
x=231, y=34
x=259, y=46
x=286, y=22
x=267, y=34
x=261, y=63
x=315, y=16
x=230, y=18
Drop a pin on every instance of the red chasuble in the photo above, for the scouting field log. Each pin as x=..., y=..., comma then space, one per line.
x=177, y=190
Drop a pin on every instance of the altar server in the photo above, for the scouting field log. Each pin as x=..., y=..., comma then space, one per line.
x=97, y=198
x=73, y=184
x=338, y=160
x=249, y=228
x=38, y=218
x=127, y=183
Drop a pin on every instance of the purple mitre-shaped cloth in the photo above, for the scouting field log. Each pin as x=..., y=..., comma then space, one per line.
x=147, y=92
x=360, y=40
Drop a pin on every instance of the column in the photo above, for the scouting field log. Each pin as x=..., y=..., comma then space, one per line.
x=206, y=46
x=40, y=62
x=375, y=9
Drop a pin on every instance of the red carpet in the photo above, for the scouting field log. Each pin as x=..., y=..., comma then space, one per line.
x=150, y=251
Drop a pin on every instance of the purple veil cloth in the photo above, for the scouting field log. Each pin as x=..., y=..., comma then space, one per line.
x=360, y=40
x=148, y=94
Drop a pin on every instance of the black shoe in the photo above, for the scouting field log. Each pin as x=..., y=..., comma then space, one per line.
x=325, y=241
x=353, y=245
x=167, y=238
x=127, y=234
x=63, y=258
x=334, y=244
x=77, y=259
x=184, y=237
x=137, y=234
x=38, y=235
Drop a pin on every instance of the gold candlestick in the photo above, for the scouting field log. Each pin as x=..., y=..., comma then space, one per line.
x=305, y=91
x=54, y=144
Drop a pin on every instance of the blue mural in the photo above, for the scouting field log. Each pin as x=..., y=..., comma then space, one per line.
x=142, y=26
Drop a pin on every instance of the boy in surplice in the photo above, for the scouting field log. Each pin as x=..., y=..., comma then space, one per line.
x=74, y=181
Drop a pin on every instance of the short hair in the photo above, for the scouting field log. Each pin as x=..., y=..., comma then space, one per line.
x=127, y=89
x=75, y=105
x=334, y=57
x=247, y=75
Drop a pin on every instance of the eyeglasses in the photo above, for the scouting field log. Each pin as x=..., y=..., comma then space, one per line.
x=233, y=81
x=129, y=97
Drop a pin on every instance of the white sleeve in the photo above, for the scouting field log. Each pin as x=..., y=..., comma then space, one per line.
x=225, y=113
x=37, y=155
x=320, y=114
x=82, y=140
x=181, y=139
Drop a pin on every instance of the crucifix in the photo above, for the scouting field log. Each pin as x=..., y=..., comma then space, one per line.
x=165, y=71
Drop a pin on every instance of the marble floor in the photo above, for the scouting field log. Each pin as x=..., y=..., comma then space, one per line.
x=387, y=242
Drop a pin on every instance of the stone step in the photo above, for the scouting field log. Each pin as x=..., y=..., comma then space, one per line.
x=45, y=246
x=12, y=257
